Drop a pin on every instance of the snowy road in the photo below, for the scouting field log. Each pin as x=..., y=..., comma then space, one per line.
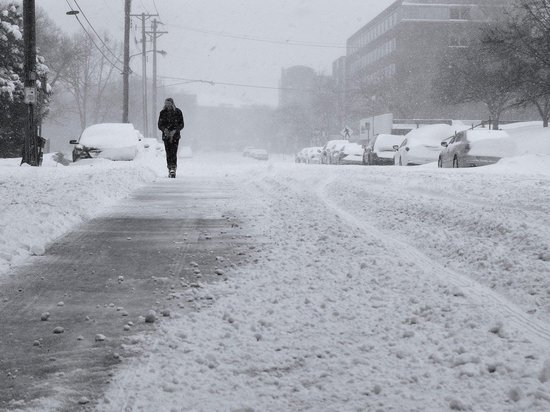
x=367, y=289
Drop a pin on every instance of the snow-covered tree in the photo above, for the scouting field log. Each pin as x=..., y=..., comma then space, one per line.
x=12, y=108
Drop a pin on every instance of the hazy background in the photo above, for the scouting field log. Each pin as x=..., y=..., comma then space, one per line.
x=197, y=55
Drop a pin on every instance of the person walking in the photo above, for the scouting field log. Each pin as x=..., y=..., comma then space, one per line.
x=170, y=124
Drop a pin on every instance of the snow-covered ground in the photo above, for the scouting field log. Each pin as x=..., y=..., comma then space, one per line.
x=40, y=204
x=369, y=288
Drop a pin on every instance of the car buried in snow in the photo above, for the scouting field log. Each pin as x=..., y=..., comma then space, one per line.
x=113, y=141
x=351, y=154
x=471, y=148
x=422, y=145
x=259, y=154
x=381, y=150
x=330, y=150
x=246, y=151
x=309, y=155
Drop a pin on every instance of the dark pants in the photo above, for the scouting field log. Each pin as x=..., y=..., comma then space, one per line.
x=171, y=153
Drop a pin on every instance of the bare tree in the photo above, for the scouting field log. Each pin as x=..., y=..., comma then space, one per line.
x=479, y=74
x=523, y=39
x=90, y=79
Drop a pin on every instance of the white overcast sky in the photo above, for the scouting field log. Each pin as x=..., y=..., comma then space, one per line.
x=196, y=55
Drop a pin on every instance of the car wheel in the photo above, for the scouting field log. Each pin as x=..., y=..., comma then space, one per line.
x=455, y=162
x=440, y=162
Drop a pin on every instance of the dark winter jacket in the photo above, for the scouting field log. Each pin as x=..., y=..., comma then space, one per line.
x=171, y=120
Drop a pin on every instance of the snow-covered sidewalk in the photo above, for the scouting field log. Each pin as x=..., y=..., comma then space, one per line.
x=368, y=289
x=40, y=204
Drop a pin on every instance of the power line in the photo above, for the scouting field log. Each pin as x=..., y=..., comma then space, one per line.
x=214, y=83
x=97, y=34
x=260, y=39
x=93, y=41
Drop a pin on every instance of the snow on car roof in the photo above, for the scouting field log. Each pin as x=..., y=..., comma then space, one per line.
x=385, y=142
x=353, y=148
x=432, y=134
x=109, y=135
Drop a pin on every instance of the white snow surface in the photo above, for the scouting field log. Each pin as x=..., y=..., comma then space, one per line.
x=495, y=143
x=372, y=289
x=431, y=135
x=386, y=142
x=40, y=204
x=367, y=288
x=109, y=135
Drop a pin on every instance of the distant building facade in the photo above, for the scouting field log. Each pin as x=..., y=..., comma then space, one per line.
x=294, y=85
x=402, y=47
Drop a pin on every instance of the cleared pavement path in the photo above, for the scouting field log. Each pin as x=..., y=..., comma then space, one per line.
x=111, y=271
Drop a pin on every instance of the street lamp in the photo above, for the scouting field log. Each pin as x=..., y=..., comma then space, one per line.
x=72, y=13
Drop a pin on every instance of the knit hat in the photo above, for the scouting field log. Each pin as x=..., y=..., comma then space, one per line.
x=170, y=100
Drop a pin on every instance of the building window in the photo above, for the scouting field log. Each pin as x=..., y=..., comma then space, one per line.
x=460, y=13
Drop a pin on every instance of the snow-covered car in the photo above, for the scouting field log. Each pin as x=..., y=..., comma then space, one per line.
x=381, y=149
x=246, y=151
x=471, y=148
x=300, y=157
x=329, y=149
x=259, y=154
x=114, y=141
x=351, y=154
x=309, y=155
x=422, y=145
x=314, y=155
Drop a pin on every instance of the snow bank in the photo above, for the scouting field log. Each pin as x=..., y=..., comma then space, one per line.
x=493, y=143
x=530, y=138
x=40, y=204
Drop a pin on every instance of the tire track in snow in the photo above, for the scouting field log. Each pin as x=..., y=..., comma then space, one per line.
x=474, y=290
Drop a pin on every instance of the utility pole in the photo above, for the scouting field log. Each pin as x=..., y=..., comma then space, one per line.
x=154, y=34
x=144, y=74
x=144, y=17
x=31, y=152
x=126, y=69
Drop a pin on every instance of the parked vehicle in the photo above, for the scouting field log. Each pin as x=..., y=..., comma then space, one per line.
x=313, y=155
x=259, y=154
x=246, y=151
x=381, y=150
x=308, y=155
x=300, y=156
x=471, y=148
x=329, y=149
x=422, y=145
x=351, y=154
x=114, y=141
